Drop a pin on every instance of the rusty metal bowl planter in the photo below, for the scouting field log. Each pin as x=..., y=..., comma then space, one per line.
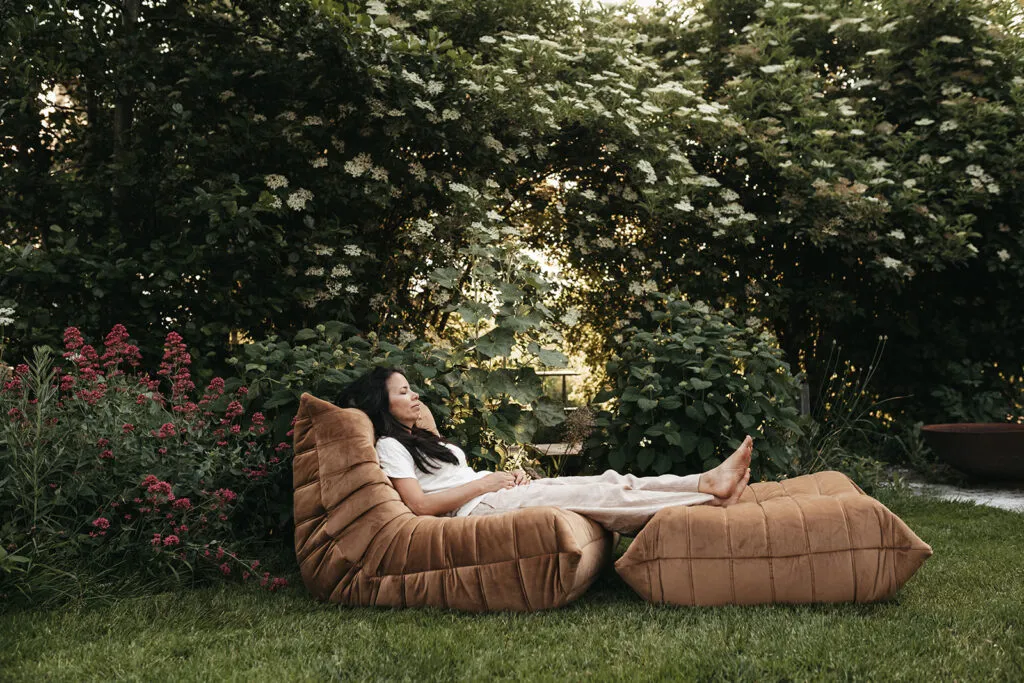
x=990, y=450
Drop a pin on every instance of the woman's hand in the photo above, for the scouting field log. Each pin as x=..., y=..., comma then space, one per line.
x=521, y=477
x=496, y=481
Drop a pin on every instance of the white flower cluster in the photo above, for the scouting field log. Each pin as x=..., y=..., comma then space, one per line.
x=359, y=165
x=422, y=228
x=647, y=169
x=417, y=171
x=318, y=162
x=297, y=200
x=890, y=262
x=605, y=243
x=275, y=181
x=312, y=121
x=1002, y=254
x=353, y=250
x=340, y=271
x=7, y=315
x=323, y=250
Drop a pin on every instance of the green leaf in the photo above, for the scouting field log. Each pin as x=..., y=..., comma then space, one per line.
x=670, y=403
x=705, y=447
x=645, y=458
x=305, y=334
x=548, y=412
x=647, y=404
x=550, y=358
x=699, y=384
x=617, y=460
x=663, y=464
x=688, y=442
x=497, y=342
x=746, y=421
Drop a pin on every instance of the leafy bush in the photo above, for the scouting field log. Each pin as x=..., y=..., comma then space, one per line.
x=686, y=390
x=109, y=476
x=978, y=392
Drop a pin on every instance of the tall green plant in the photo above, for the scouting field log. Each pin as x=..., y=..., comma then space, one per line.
x=687, y=386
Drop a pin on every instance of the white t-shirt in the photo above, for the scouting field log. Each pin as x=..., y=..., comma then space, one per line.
x=396, y=461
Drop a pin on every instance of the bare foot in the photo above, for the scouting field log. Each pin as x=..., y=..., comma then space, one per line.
x=724, y=480
x=735, y=497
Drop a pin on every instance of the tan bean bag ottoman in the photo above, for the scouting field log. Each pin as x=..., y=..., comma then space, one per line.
x=817, y=538
x=358, y=544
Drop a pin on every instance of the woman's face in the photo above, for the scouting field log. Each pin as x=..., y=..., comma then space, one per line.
x=403, y=402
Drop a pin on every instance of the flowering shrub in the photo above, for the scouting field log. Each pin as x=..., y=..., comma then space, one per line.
x=686, y=389
x=110, y=475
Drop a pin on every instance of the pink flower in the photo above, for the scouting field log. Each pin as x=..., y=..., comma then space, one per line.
x=72, y=338
x=258, y=418
x=226, y=495
x=225, y=569
x=127, y=428
x=234, y=410
x=101, y=523
x=156, y=540
x=171, y=540
x=182, y=504
x=107, y=455
x=167, y=429
x=21, y=370
x=103, y=442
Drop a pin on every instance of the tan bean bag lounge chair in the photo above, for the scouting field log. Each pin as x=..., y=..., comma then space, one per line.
x=816, y=538
x=358, y=544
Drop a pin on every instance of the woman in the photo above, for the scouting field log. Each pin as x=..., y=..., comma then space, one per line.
x=432, y=477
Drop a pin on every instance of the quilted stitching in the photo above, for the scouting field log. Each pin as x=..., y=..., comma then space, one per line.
x=825, y=508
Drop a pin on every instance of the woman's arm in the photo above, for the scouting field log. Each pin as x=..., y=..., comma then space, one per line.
x=443, y=502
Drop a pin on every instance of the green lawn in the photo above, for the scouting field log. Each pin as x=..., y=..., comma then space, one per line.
x=960, y=618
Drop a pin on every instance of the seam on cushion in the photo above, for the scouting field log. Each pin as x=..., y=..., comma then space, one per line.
x=476, y=567
x=312, y=534
x=689, y=564
x=445, y=559
x=807, y=544
x=482, y=564
x=769, y=557
x=510, y=559
x=519, y=567
x=891, y=556
x=319, y=565
x=391, y=543
x=661, y=578
x=732, y=568
x=849, y=540
x=768, y=542
x=364, y=512
x=817, y=484
x=309, y=483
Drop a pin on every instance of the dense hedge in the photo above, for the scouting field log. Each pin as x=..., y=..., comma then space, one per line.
x=838, y=170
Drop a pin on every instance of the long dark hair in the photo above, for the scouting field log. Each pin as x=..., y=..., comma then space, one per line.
x=369, y=394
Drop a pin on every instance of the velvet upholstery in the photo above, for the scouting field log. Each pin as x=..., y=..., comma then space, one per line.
x=358, y=544
x=816, y=538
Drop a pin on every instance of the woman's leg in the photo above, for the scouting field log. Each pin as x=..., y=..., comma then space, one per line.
x=613, y=506
x=720, y=481
x=625, y=503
